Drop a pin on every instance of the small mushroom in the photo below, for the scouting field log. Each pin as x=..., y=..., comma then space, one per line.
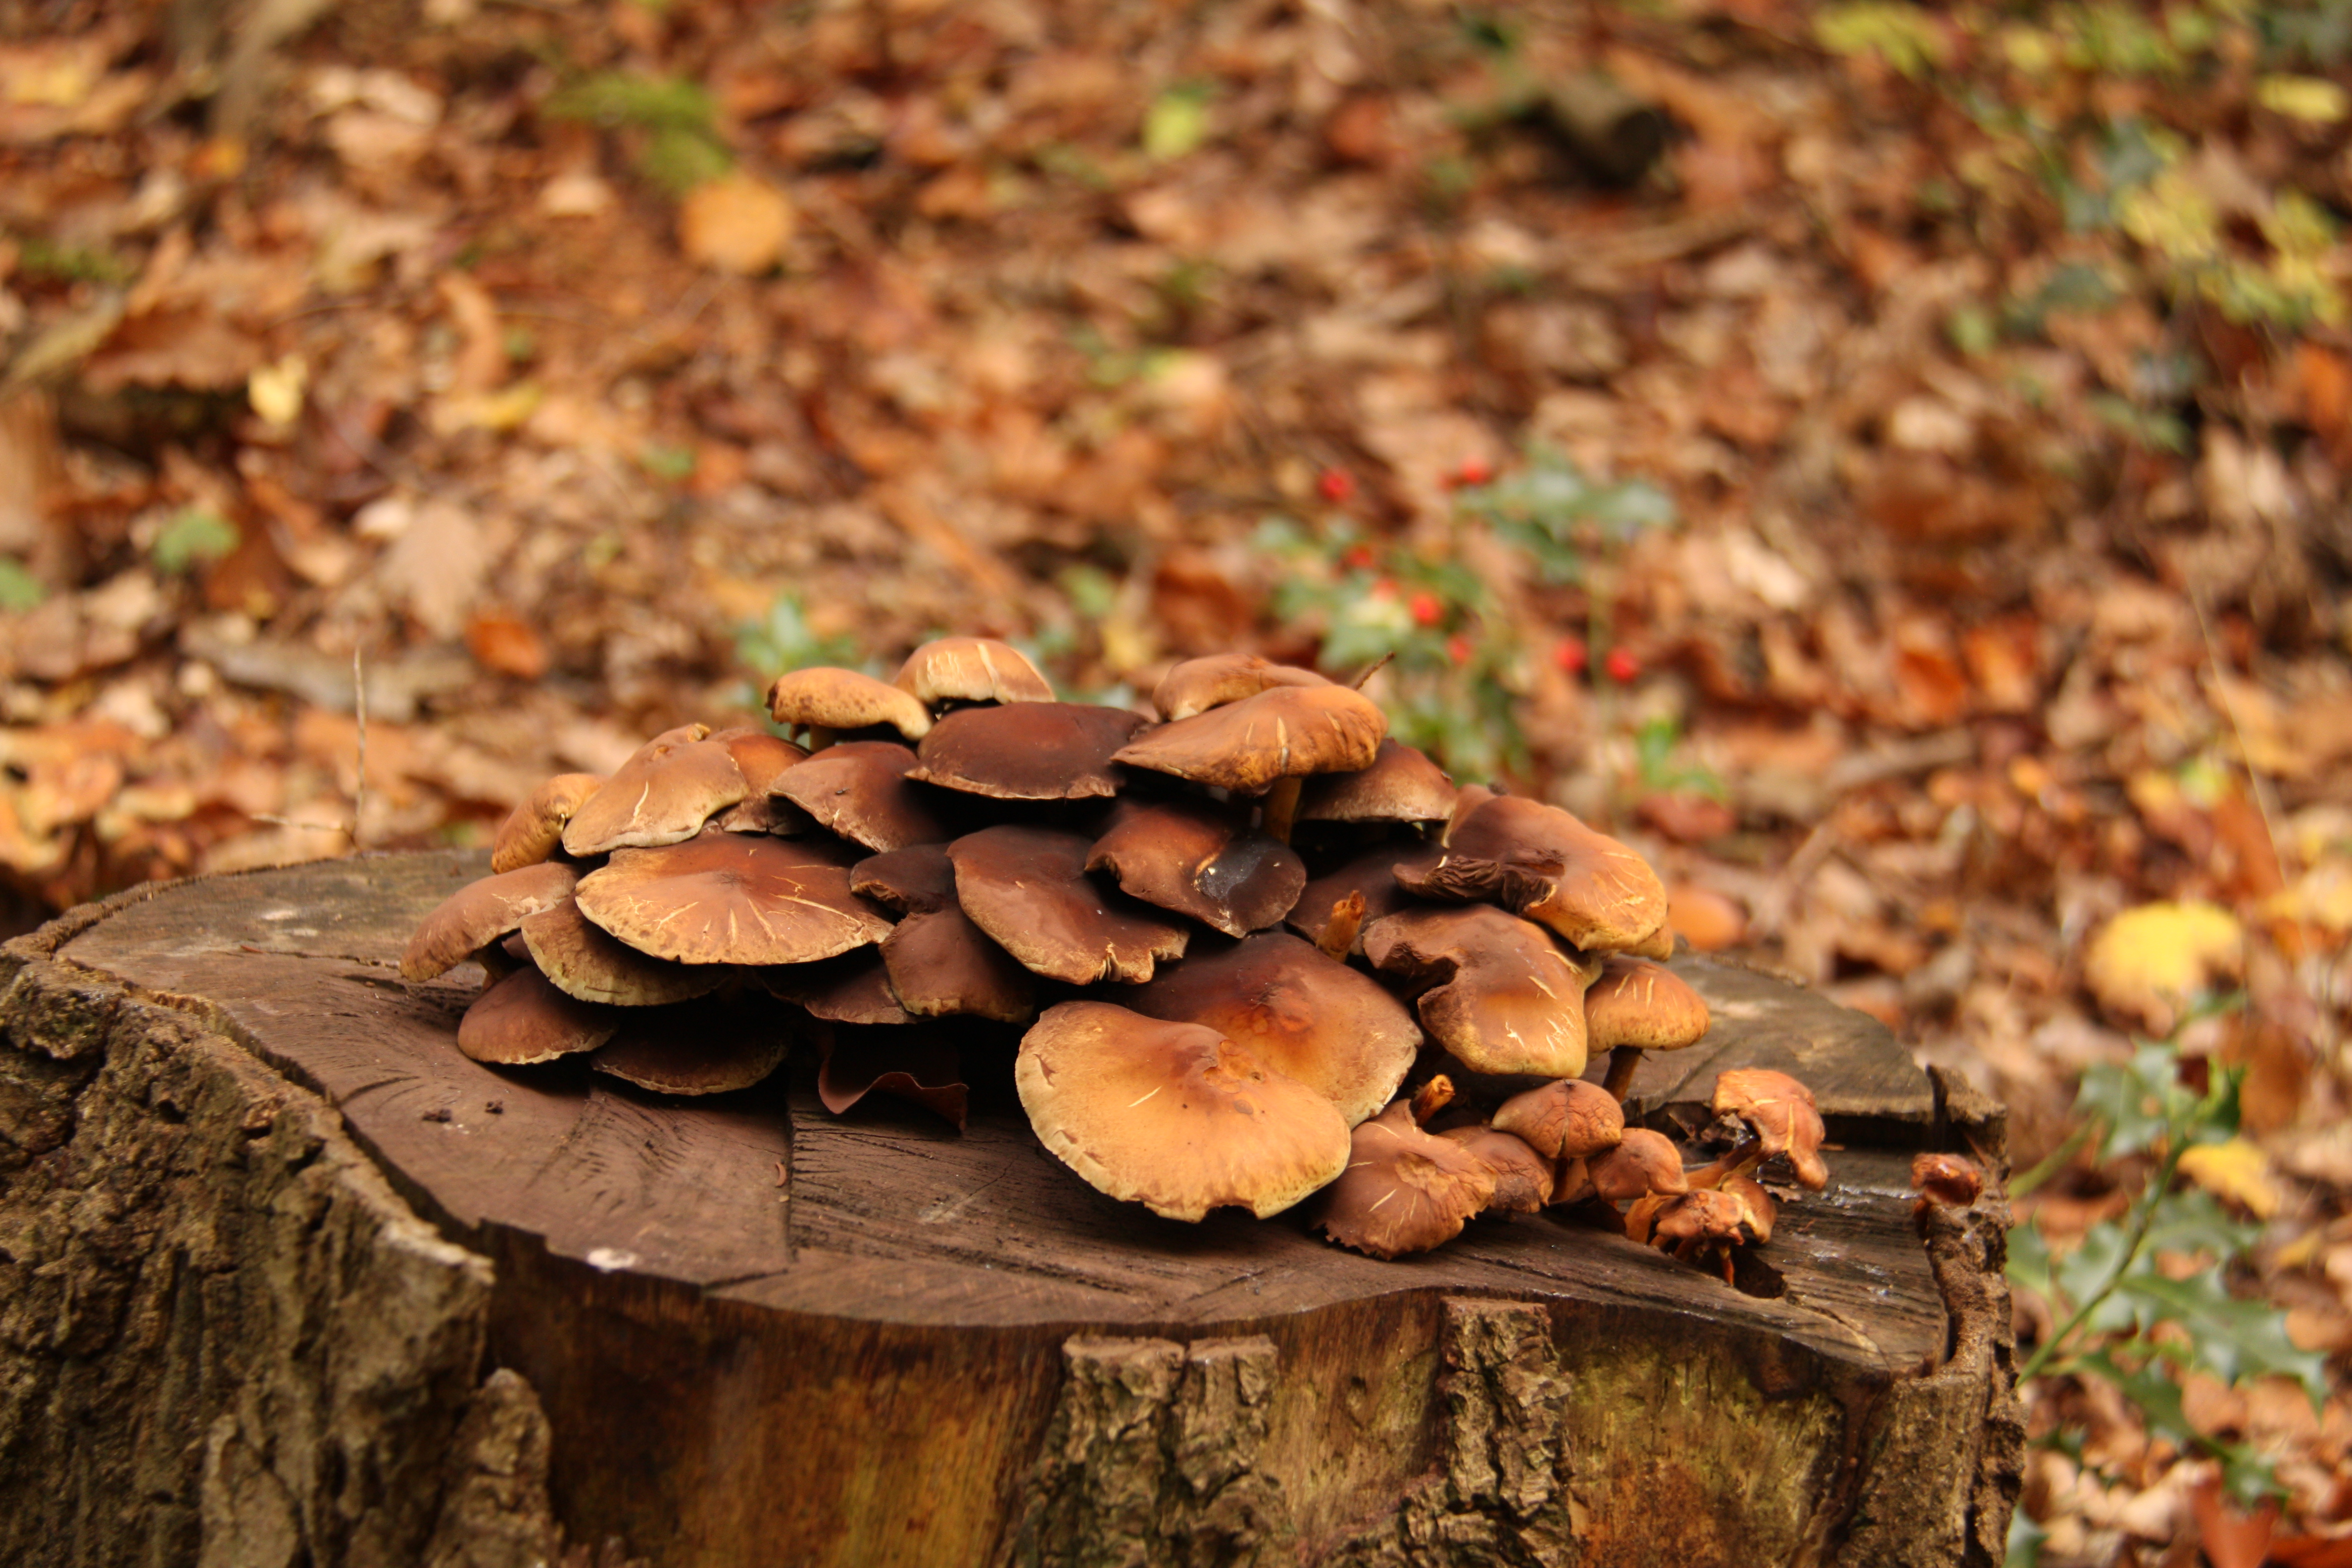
x=1028, y=750
x=970, y=669
x=581, y=959
x=940, y=963
x=712, y=1045
x=823, y=702
x=1780, y=1116
x=482, y=912
x=859, y=790
x=1645, y=1170
x=1946, y=1180
x=1523, y=1179
x=1567, y=1122
x=534, y=830
x=1027, y=888
x=731, y=898
x=1174, y=1116
x=1403, y=1191
x=1539, y=861
x=1370, y=876
x=1197, y=685
x=522, y=1019
x=1191, y=857
x=1265, y=744
x=1499, y=993
x=1702, y=1228
x=663, y=794
x=1637, y=1007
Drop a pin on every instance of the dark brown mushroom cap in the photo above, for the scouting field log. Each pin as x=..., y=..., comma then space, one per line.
x=1288, y=732
x=915, y=1063
x=1567, y=1118
x=1643, y=1163
x=1305, y=1015
x=970, y=669
x=1539, y=861
x=1174, y=1116
x=533, y=829
x=1191, y=857
x=853, y=988
x=1198, y=685
x=480, y=912
x=1522, y=1178
x=581, y=959
x=762, y=758
x=664, y=794
x=712, y=1046
x=1781, y=1112
x=522, y=1019
x=1504, y=996
x=1027, y=888
x=1947, y=1179
x=731, y=898
x=1639, y=1004
x=1403, y=1191
x=1374, y=874
x=1705, y=1216
x=914, y=880
x=1028, y=750
x=942, y=965
x=822, y=698
x=1466, y=799
x=859, y=790
x=1401, y=786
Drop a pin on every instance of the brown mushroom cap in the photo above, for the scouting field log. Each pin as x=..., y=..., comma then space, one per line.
x=522, y=1019
x=581, y=959
x=1947, y=1179
x=1762, y=1206
x=1028, y=750
x=913, y=880
x=1704, y=1217
x=917, y=1064
x=1506, y=999
x=1643, y=1163
x=970, y=669
x=1781, y=1112
x=1401, y=786
x=1287, y=731
x=1403, y=1191
x=1522, y=1178
x=664, y=794
x=533, y=829
x=762, y=758
x=1027, y=888
x=1174, y=1116
x=480, y=912
x=859, y=790
x=942, y=966
x=1539, y=861
x=707, y=1047
x=1305, y=1015
x=1193, y=857
x=731, y=898
x=1372, y=874
x=1567, y=1118
x=1639, y=1004
x=825, y=699
x=1198, y=685
x=853, y=988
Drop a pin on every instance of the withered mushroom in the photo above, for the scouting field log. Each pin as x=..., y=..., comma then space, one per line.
x=1704, y=1225
x=1403, y=1191
x=663, y=794
x=581, y=959
x=482, y=912
x=1193, y=857
x=970, y=669
x=1637, y=1007
x=522, y=1019
x=1539, y=861
x=731, y=898
x=1027, y=888
x=859, y=790
x=825, y=702
x=1499, y=993
x=1265, y=744
x=1028, y=750
x=1782, y=1119
x=1198, y=685
x=1174, y=1116
x=534, y=829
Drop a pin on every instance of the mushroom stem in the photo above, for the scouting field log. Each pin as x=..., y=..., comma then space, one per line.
x=1621, y=1063
x=1737, y=1160
x=819, y=737
x=1282, y=807
x=1432, y=1098
x=1641, y=1215
x=1341, y=929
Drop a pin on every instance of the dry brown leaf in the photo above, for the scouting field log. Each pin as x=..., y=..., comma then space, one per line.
x=740, y=224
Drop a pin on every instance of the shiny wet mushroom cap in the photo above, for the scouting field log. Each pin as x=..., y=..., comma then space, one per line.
x=1287, y=731
x=1498, y=992
x=522, y=1019
x=1539, y=861
x=825, y=700
x=1027, y=888
x=1174, y=1116
x=859, y=790
x=534, y=830
x=1198, y=685
x=1028, y=750
x=1403, y=1191
x=1401, y=786
x=1564, y=1119
x=662, y=794
x=970, y=669
x=482, y=912
x=731, y=898
x=1193, y=857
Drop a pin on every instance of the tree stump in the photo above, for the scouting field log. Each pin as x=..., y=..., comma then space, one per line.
x=285, y=1280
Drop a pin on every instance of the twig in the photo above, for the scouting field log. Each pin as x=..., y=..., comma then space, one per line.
x=1373, y=668
x=358, y=706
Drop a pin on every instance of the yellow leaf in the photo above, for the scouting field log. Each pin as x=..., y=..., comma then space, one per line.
x=2320, y=896
x=2151, y=960
x=503, y=410
x=275, y=390
x=2236, y=1171
x=2311, y=97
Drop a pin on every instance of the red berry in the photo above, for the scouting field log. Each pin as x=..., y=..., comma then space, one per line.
x=1457, y=649
x=1334, y=485
x=1425, y=608
x=1473, y=471
x=1622, y=665
x=1356, y=557
x=1571, y=655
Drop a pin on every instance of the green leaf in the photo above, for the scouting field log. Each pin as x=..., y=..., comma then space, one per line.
x=2030, y=1261
x=190, y=538
x=2229, y=1338
x=19, y=589
x=1177, y=123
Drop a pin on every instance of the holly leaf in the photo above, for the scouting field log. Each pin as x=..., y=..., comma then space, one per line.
x=2227, y=1337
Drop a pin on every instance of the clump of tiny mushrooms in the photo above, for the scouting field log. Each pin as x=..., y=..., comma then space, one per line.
x=1231, y=935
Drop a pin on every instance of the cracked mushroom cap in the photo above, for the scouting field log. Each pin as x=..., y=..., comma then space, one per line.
x=522, y=1019
x=1522, y=1178
x=1401, y=786
x=1198, y=685
x=1028, y=750
x=731, y=898
x=970, y=669
x=1028, y=889
x=533, y=830
x=1782, y=1113
x=1403, y=1191
x=712, y=1046
x=1539, y=861
x=1174, y=1116
x=1643, y=1005
x=1193, y=857
x=1285, y=731
x=663, y=794
x=1643, y=1163
x=1310, y=1018
x=482, y=912
x=1567, y=1118
x=1502, y=995
x=858, y=789
x=825, y=699
x=581, y=959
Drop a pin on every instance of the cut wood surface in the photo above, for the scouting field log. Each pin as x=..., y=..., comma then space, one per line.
x=760, y=1332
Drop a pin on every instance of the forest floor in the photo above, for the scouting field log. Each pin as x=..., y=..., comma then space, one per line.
x=1888, y=464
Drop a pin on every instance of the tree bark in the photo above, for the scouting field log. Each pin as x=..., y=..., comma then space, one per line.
x=284, y=1278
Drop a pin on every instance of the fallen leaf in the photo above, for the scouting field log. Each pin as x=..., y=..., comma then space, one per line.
x=2234, y=1170
x=740, y=224
x=501, y=643
x=2149, y=961
x=435, y=568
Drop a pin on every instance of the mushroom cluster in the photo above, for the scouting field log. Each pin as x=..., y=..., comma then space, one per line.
x=1227, y=939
